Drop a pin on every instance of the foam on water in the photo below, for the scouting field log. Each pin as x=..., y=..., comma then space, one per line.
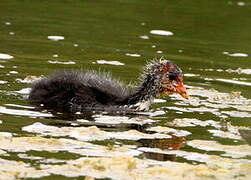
x=56, y=38
x=144, y=37
x=161, y=32
x=133, y=55
x=235, y=82
x=167, y=130
x=59, y=62
x=91, y=133
x=5, y=56
x=236, y=151
x=116, y=63
x=19, y=106
x=13, y=72
x=236, y=54
x=3, y=82
x=16, y=112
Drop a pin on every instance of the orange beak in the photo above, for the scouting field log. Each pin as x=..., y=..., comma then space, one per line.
x=180, y=89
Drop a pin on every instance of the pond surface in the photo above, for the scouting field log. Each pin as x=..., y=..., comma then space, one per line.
x=205, y=137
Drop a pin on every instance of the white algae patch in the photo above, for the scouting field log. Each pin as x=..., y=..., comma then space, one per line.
x=91, y=133
x=159, y=100
x=3, y=82
x=5, y=110
x=236, y=151
x=55, y=38
x=24, y=144
x=144, y=37
x=59, y=62
x=187, y=122
x=224, y=134
x=239, y=71
x=116, y=63
x=101, y=119
x=13, y=72
x=125, y=168
x=237, y=114
x=236, y=54
x=234, y=82
x=161, y=32
x=19, y=106
x=193, y=156
x=191, y=75
x=167, y=130
x=133, y=55
x=11, y=170
x=5, y=56
x=28, y=79
x=211, y=101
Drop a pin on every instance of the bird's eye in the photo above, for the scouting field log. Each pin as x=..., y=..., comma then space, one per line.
x=171, y=77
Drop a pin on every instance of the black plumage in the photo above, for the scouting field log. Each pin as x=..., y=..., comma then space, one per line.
x=75, y=91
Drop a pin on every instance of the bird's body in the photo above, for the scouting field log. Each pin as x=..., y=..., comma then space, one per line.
x=75, y=91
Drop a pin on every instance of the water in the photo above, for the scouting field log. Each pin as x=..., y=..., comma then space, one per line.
x=197, y=138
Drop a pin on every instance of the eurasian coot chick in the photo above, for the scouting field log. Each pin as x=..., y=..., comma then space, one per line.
x=74, y=91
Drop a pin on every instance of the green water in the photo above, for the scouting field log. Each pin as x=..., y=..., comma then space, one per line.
x=206, y=36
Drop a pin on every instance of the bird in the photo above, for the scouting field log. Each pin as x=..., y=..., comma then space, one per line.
x=73, y=91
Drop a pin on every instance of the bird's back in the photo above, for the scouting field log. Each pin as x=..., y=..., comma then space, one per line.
x=71, y=91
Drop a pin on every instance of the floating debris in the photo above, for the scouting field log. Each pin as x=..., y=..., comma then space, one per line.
x=124, y=168
x=144, y=37
x=3, y=82
x=25, y=144
x=191, y=122
x=236, y=54
x=116, y=63
x=10, y=170
x=234, y=151
x=234, y=82
x=56, y=38
x=167, y=130
x=191, y=75
x=102, y=119
x=16, y=112
x=13, y=72
x=59, y=62
x=237, y=114
x=224, y=134
x=5, y=56
x=91, y=133
x=133, y=55
x=161, y=32
x=159, y=100
x=19, y=106
x=241, y=3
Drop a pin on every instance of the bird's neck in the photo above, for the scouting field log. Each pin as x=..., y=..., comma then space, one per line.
x=147, y=90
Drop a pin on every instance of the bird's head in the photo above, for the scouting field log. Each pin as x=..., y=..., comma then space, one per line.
x=171, y=80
